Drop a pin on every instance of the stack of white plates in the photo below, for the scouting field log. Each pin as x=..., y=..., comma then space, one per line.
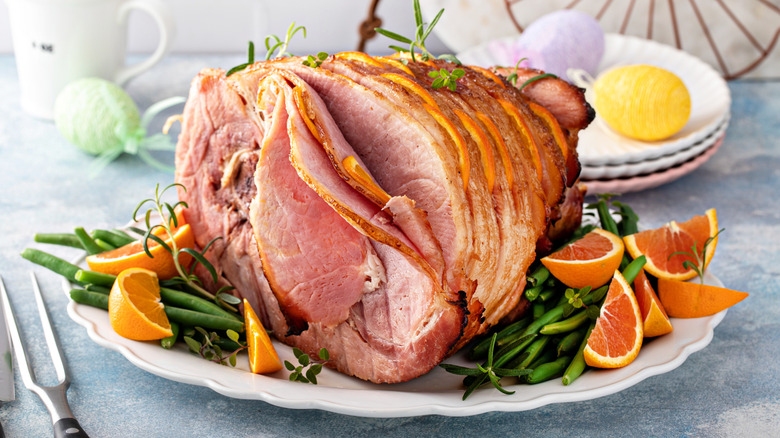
x=612, y=163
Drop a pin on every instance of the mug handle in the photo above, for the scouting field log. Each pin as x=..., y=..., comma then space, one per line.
x=164, y=20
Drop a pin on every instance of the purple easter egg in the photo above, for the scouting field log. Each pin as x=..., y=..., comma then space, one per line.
x=561, y=40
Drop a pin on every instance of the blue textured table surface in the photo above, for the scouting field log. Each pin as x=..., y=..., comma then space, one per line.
x=728, y=389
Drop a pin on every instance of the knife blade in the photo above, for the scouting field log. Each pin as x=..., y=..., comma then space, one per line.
x=7, y=391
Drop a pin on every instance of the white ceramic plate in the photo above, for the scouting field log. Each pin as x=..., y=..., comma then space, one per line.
x=436, y=393
x=644, y=182
x=612, y=171
x=598, y=144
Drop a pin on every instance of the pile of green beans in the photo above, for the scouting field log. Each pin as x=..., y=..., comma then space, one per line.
x=551, y=339
x=184, y=310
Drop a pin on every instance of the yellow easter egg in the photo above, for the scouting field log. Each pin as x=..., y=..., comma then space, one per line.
x=642, y=101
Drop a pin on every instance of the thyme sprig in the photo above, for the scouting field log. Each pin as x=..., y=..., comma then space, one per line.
x=167, y=215
x=421, y=34
x=307, y=370
x=700, y=264
x=315, y=61
x=490, y=371
x=445, y=78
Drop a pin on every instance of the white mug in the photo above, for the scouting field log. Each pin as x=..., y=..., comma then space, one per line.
x=59, y=41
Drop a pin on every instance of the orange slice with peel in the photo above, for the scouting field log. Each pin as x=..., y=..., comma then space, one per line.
x=661, y=246
x=683, y=299
x=134, y=306
x=262, y=354
x=132, y=255
x=589, y=261
x=655, y=321
x=617, y=336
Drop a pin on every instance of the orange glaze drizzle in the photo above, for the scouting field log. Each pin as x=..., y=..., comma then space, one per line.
x=463, y=153
x=533, y=148
x=489, y=74
x=360, y=175
x=479, y=137
x=358, y=56
x=299, y=102
x=500, y=145
x=413, y=87
x=554, y=126
x=394, y=63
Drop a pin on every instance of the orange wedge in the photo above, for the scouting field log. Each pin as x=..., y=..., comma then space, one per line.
x=655, y=321
x=683, y=299
x=262, y=354
x=617, y=337
x=132, y=255
x=134, y=306
x=589, y=261
x=659, y=245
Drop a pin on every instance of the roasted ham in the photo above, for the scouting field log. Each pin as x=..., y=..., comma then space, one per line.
x=363, y=211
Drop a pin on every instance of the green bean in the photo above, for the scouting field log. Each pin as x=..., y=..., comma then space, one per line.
x=534, y=350
x=63, y=239
x=571, y=341
x=503, y=356
x=548, y=355
x=537, y=310
x=629, y=223
x=547, y=295
x=605, y=217
x=99, y=289
x=105, y=246
x=538, y=276
x=112, y=237
x=168, y=342
x=51, y=262
x=552, y=315
x=596, y=295
x=227, y=344
x=191, y=302
x=89, y=244
x=549, y=370
x=94, y=299
x=97, y=278
x=533, y=292
x=633, y=268
x=577, y=365
x=205, y=320
x=481, y=349
x=567, y=325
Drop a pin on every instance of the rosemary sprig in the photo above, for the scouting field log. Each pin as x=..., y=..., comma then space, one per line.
x=167, y=217
x=421, y=34
x=312, y=369
x=445, y=78
x=489, y=371
x=534, y=79
x=700, y=265
x=250, y=60
x=275, y=44
x=272, y=44
x=314, y=62
x=512, y=78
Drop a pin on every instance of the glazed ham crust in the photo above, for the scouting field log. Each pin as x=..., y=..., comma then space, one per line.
x=368, y=213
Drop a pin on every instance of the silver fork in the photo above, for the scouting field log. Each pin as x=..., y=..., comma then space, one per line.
x=54, y=397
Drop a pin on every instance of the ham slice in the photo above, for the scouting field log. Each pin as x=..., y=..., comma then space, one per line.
x=368, y=213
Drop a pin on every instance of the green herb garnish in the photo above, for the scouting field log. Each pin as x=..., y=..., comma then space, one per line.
x=700, y=265
x=312, y=368
x=272, y=44
x=208, y=346
x=487, y=372
x=250, y=60
x=314, y=62
x=187, y=278
x=421, y=34
x=445, y=78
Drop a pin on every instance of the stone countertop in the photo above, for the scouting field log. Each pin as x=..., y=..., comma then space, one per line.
x=728, y=389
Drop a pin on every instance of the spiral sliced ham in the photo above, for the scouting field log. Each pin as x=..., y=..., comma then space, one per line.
x=363, y=211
